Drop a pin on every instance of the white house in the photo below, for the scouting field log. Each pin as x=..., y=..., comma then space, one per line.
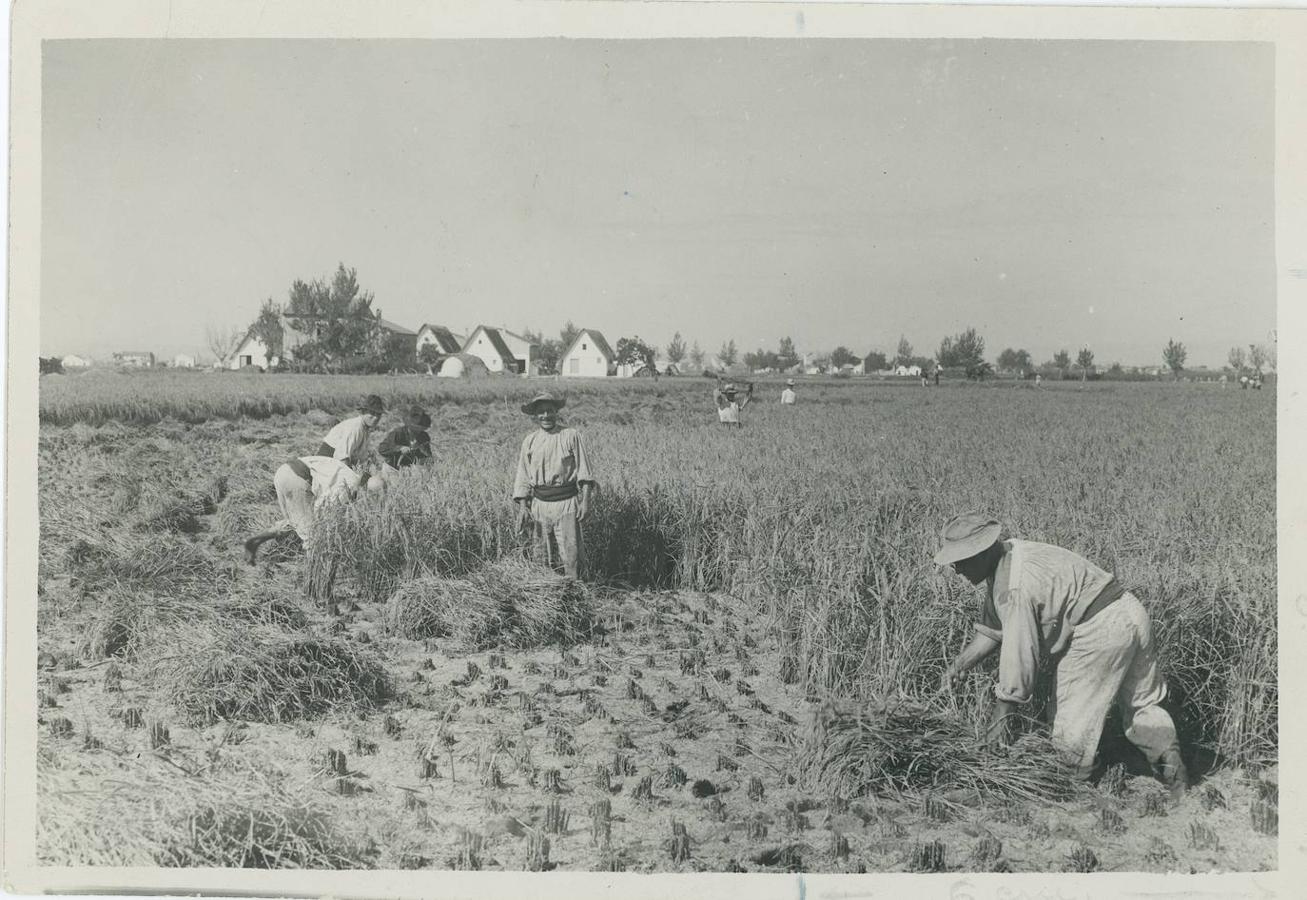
x=913, y=371
x=861, y=367
x=141, y=359
x=445, y=341
x=183, y=361
x=589, y=355
x=252, y=351
x=73, y=361
x=501, y=350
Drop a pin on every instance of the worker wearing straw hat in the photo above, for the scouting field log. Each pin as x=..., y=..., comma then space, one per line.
x=1045, y=602
x=729, y=403
x=348, y=440
x=787, y=396
x=553, y=486
x=407, y=445
x=304, y=486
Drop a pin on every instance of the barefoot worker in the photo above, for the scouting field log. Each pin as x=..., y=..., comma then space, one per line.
x=788, y=397
x=728, y=408
x=553, y=485
x=304, y=486
x=348, y=440
x=407, y=445
x=1041, y=600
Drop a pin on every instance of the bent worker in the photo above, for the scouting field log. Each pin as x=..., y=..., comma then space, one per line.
x=553, y=486
x=1043, y=602
x=304, y=486
x=407, y=445
x=348, y=440
x=728, y=406
x=787, y=396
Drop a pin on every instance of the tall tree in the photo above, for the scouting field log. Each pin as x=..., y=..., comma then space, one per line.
x=1236, y=359
x=842, y=355
x=1174, y=354
x=222, y=341
x=761, y=359
x=676, y=350
x=635, y=352
x=339, y=317
x=876, y=361
x=1085, y=362
x=1256, y=357
x=268, y=329
x=697, y=356
x=567, y=335
x=1014, y=360
x=547, y=351
x=728, y=353
x=903, y=355
x=786, y=356
x=1062, y=360
x=965, y=350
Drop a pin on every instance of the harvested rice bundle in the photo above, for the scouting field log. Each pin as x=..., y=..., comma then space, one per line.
x=510, y=603
x=263, y=605
x=163, y=564
x=127, y=622
x=159, y=816
x=172, y=510
x=854, y=749
x=263, y=674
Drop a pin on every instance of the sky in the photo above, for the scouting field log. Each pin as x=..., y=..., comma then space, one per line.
x=1051, y=194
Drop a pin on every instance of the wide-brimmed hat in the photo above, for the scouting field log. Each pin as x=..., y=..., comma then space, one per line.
x=531, y=407
x=962, y=537
x=789, y=382
x=372, y=404
x=416, y=417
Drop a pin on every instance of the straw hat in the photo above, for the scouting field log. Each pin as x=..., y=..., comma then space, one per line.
x=372, y=405
x=962, y=537
x=531, y=407
x=789, y=382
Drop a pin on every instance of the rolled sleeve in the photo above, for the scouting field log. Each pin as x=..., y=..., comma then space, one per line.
x=1018, y=660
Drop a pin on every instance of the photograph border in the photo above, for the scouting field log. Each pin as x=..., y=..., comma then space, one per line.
x=33, y=22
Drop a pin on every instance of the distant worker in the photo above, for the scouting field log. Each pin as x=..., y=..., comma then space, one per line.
x=1243, y=382
x=788, y=396
x=553, y=486
x=1039, y=379
x=304, y=486
x=407, y=445
x=728, y=406
x=925, y=378
x=937, y=368
x=348, y=440
x=1045, y=603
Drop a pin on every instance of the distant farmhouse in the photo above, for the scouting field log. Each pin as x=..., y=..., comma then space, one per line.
x=589, y=355
x=183, y=361
x=73, y=361
x=139, y=359
x=252, y=351
x=501, y=350
x=444, y=340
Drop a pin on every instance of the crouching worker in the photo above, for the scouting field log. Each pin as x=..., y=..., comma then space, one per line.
x=407, y=445
x=304, y=486
x=553, y=486
x=348, y=440
x=1042, y=602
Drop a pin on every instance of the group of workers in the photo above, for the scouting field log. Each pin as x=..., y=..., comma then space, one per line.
x=1040, y=605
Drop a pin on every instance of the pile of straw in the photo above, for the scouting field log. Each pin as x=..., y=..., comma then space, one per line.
x=150, y=814
x=126, y=622
x=510, y=603
x=265, y=674
x=853, y=750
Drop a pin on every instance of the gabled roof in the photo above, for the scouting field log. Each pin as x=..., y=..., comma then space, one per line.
x=516, y=336
x=599, y=341
x=446, y=340
x=390, y=326
x=496, y=341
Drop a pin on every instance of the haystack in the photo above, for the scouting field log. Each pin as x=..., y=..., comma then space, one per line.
x=509, y=603
x=857, y=749
x=266, y=674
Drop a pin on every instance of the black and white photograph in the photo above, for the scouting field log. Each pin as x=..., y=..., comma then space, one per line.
x=804, y=453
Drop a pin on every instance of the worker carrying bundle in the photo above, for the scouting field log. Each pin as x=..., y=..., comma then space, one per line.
x=1045, y=603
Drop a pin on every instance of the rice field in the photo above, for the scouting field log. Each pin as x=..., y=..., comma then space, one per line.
x=760, y=614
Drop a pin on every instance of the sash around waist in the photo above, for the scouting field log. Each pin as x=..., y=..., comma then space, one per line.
x=551, y=493
x=299, y=468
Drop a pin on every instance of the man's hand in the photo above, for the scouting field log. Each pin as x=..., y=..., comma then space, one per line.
x=951, y=677
x=523, y=516
x=1001, y=719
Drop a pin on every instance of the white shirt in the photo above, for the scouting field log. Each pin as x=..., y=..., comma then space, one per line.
x=788, y=396
x=349, y=439
x=332, y=479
